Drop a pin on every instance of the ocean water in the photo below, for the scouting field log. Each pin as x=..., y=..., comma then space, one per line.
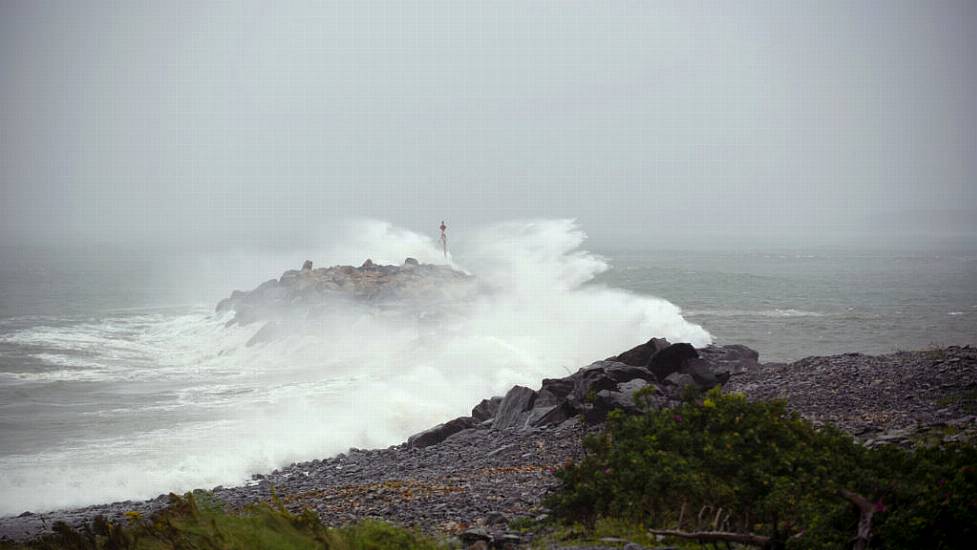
x=790, y=304
x=117, y=380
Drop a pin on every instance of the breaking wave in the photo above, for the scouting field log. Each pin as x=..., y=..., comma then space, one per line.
x=169, y=401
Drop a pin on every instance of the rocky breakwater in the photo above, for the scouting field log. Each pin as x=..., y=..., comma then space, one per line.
x=282, y=304
x=473, y=475
x=647, y=377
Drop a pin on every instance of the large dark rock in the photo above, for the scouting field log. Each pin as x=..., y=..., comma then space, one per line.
x=640, y=356
x=671, y=359
x=307, y=265
x=701, y=372
x=551, y=416
x=622, y=397
x=725, y=361
x=590, y=381
x=439, y=433
x=517, y=401
x=605, y=375
x=554, y=391
x=486, y=409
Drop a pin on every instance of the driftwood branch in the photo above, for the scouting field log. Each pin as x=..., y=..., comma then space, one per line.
x=865, y=511
x=715, y=536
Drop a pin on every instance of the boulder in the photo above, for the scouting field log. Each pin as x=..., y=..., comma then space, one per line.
x=486, y=409
x=517, y=401
x=590, y=381
x=671, y=359
x=411, y=261
x=679, y=380
x=474, y=536
x=307, y=266
x=439, y=433
x=605, y=375
x=551, y=416
x=701, y=372
x=632, y=387
x=725, y=361
x=640, y=356
x=554, y=391
x=620, y=398
x=368, y=264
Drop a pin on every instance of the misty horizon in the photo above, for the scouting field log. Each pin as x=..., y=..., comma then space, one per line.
x=654, y=125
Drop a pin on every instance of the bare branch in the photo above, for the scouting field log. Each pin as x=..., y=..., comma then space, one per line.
x=866, y=510
x=715, y=536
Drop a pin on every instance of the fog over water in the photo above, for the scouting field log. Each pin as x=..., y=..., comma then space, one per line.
x=215, y=125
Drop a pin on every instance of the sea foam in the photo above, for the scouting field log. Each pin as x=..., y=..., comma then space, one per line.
x=217, y=411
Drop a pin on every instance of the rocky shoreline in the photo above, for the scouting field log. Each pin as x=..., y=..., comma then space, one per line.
x=473, y=475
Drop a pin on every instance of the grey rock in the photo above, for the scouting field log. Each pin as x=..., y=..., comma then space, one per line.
x=640, y=356
x=605, y=375
x=679, y=380
x=632, y=387
x=554, y=391
x=671, y=359
x=553, y=416
x=486, y=409
x=496, y=518
x=411, y=261
x=725, y=361
x=474, y=535
x=301, y=294
x=439, y=433
x=517, y=401
x=701, y=372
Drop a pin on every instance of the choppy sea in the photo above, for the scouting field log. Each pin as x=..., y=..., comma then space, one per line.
x=118, y=381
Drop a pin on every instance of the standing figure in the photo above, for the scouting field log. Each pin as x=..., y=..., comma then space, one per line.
x=444, y=239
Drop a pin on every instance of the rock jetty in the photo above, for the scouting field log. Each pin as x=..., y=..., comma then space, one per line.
x=300, y=295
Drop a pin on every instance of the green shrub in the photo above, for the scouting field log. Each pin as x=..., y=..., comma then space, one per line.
x=723, y=463
x=195, y=522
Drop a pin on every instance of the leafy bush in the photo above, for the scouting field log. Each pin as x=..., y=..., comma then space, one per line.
x=191, y=522
x=721, y=463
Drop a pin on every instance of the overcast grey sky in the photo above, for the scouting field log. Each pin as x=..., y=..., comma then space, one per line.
x=651, y=122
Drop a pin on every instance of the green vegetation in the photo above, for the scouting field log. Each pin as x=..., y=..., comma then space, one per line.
x=198, y=522
x=760, y=475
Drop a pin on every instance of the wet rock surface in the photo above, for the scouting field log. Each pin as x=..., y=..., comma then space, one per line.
x=471, y=476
